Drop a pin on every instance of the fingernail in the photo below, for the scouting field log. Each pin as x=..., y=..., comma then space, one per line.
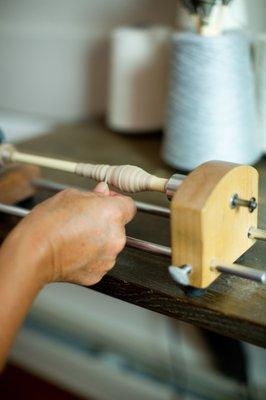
x=102, y=187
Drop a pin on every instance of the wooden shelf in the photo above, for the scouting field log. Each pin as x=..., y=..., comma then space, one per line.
x=231, y=306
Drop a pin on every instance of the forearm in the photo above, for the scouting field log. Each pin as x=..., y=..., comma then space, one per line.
x=19, y=285
x=64, y=239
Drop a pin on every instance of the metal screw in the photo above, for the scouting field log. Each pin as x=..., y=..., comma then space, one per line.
x=236, y=201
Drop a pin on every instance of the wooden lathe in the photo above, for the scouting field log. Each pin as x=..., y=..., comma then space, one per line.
x=231, y=306
x=213, y=211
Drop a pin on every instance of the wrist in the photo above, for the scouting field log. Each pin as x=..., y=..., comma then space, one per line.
x=20, y=256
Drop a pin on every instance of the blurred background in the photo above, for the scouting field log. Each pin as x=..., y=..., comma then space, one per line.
x=55, y=59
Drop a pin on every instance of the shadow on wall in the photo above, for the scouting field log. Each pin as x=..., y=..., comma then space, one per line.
x=97, y=76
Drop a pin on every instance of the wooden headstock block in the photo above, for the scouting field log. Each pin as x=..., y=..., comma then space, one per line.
x=204, y=227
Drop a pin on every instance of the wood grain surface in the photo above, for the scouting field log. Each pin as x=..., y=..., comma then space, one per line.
x=15, y=183
x=230, y=306
x=205, y=230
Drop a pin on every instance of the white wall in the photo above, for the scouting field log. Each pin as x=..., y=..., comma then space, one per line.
x=53, y=53
x=256, y=10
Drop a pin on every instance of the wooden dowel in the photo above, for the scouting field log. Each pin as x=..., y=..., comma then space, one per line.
x=256, y=233
x=127, y=178
x=47, y=162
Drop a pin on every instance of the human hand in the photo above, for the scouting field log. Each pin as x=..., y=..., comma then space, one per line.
x=73, y=236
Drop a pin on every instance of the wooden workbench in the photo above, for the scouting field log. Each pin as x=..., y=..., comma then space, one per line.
x=231, y=306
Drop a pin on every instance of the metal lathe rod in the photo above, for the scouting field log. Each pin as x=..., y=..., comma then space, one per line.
x=141, y=206
x=254, y=233
x=14, y=210
x=243, y=272
x=230, y=269
x=131, y=241
x=148, y=246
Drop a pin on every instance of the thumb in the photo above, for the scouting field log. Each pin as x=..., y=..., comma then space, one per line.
x=103, y=188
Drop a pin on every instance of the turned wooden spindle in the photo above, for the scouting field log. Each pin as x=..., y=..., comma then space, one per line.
x=127, y=178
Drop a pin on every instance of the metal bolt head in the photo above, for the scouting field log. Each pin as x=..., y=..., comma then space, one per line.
x=236, y=201
x=252, y=204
